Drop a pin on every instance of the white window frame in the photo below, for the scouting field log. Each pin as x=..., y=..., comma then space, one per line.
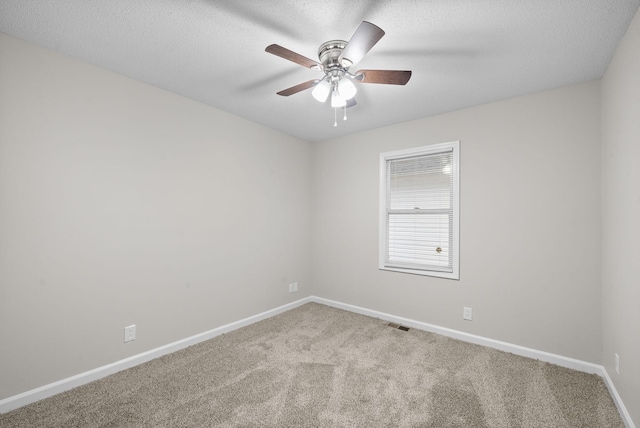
x=384, y=264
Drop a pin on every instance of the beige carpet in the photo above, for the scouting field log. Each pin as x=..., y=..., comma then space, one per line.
x=316, y=366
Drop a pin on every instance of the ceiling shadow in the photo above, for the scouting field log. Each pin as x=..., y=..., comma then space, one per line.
x=432, y=52
x=370, y=7
x=268, y=80
x=247, y=12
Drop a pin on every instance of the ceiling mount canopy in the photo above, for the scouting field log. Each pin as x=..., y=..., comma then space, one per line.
x=335, y=59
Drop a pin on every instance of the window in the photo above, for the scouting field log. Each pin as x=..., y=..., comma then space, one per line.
x=419, y=199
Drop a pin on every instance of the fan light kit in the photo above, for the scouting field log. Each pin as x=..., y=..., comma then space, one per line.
x=336, y=57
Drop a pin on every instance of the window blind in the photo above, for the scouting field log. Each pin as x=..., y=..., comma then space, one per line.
x=419, y=211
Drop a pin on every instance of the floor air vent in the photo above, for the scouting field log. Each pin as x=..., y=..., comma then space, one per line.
x=398, y=326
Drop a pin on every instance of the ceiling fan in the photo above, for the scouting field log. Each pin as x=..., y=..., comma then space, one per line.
x=335, y=59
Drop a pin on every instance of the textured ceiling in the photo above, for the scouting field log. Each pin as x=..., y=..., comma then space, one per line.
x=462, y=52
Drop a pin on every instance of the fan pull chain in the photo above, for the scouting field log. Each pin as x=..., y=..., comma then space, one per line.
x=335, y=116
x=345, y=113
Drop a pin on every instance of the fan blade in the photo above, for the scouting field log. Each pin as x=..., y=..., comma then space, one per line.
x=298, y=88
x=292, y=56
x=389, y=77
x=365, y=37
x=351, y=102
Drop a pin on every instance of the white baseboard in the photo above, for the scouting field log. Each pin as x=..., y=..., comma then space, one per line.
x=51, y=389
x=626, y=417
x=54, y=388
x=559, y=360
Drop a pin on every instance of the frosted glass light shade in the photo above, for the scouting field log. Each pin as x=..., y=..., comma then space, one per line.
x=321, y=91
x=347, y=88
x=337, y=100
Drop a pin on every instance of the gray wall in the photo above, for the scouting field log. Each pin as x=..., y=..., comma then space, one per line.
x=529, y=223
x=121, y=203
x=621, y=217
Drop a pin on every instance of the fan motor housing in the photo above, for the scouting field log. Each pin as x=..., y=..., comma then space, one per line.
x=329, y=52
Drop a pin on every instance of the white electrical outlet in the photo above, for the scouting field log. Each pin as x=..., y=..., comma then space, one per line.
x=617, y=363
x=467, y=314
x=293, y=287
x=130, y=333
